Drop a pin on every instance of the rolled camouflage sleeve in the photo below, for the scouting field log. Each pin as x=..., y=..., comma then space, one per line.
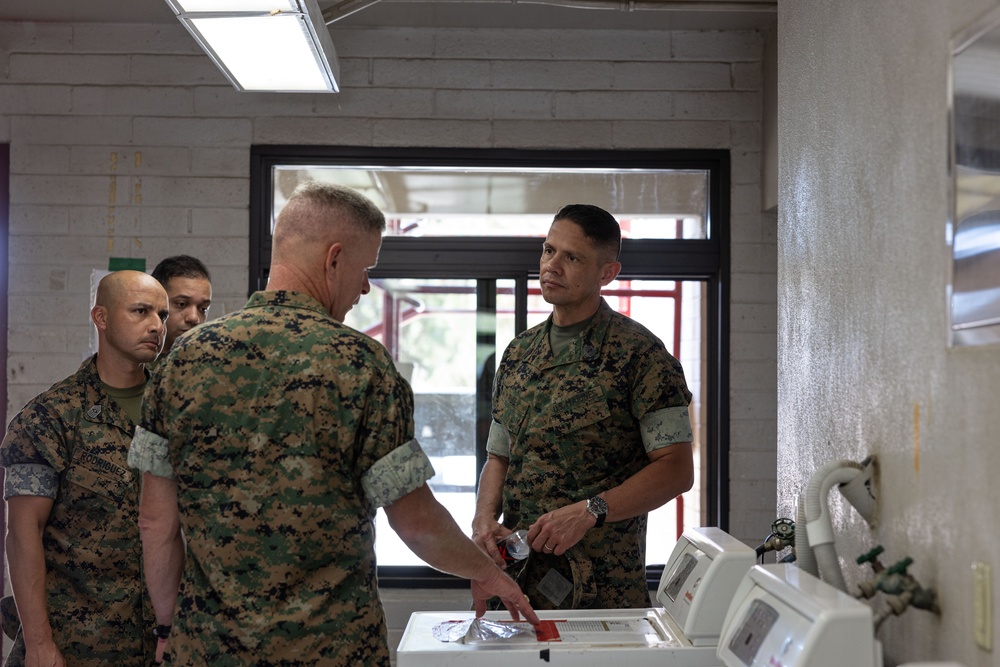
x=393, y=476
x=498, y=440
x=33, y=452
x=392, y=462
x=30, y=479
x=148, y=453
x=660, y=398
x=665, y=427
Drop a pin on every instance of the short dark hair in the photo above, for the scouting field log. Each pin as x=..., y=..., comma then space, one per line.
x=597, y=224
x=180, y=266
x=346, y=203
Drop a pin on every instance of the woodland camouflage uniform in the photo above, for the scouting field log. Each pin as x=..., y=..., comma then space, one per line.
x=285, y=431
x=70, y=444
x=573, y=422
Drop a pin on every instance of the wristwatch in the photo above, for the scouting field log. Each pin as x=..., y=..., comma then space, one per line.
x=161, y=631
x=599, y=508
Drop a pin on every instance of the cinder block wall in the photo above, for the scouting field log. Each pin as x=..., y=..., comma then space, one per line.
x=127, y=142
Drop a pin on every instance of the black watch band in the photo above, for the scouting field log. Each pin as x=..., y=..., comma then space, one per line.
x=161, y=631
x=599, y=508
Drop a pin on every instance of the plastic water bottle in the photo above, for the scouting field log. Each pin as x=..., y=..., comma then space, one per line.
x=514, y=546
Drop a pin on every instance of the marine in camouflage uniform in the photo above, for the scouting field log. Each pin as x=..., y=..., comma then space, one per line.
x=70, y=444
x=285, y=431
x=575, y=424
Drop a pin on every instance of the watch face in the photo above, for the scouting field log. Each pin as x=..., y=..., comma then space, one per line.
x=597, y=505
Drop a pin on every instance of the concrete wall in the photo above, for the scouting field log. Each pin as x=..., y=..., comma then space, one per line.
x=864, y=367
x=127, y=142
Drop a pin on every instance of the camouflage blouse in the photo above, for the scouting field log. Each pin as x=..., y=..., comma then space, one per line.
x=573, y=422
x=285, y=431
x=69, y=444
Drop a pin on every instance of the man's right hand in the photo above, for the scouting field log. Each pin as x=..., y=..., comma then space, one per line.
x=486, y=532
x=498, y=584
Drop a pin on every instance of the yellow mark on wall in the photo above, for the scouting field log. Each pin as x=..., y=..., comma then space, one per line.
x=111, y=229
x=137, y=192
x=916, y=437
x=112, y=199
x=113, y=185
x=138, y=158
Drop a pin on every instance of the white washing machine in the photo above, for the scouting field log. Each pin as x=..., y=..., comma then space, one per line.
x=698, y=583
x=782, y=615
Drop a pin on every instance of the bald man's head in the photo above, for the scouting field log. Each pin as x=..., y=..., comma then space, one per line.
x=113, y=286
x=130, y=312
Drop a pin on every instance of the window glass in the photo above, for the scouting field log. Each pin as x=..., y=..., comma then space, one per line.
x=435, y=201
x=430, y=325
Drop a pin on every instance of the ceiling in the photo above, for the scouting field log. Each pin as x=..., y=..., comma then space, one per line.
x=555, y=14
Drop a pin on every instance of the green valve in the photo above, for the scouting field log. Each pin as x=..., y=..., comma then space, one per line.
x=870, y=556
x=900, y=567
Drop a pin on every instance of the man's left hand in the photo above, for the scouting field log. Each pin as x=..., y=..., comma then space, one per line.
x=557, y=531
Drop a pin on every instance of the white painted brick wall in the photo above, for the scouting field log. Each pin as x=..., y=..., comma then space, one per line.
x=157, y=40
x=71, y=68
x=25, y=100
x=126, y=141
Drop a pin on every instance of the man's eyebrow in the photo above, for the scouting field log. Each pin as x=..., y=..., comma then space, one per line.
x=189, y=297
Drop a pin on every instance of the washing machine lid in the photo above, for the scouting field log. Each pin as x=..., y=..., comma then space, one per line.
x=602, y=637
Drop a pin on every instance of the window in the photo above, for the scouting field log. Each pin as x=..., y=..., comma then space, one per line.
x=500, y=202
x=457, y=279
x=4, y=264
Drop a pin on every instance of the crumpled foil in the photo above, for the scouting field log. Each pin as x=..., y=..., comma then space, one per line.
x=479, y=630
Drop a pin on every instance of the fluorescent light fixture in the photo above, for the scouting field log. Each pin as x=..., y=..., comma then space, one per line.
x=264, y=45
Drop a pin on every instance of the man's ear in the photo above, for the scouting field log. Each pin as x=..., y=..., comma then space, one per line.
x=611, y=271
x=331, y=262
x=99, y=315
x=333, y=255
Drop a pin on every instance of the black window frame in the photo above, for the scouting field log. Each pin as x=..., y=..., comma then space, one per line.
x=4, y=301
x=707, y=260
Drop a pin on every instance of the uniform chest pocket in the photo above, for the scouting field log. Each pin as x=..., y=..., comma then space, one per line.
x=581, y=411
x=96, y=484
x=98, y=503
x=512, y=415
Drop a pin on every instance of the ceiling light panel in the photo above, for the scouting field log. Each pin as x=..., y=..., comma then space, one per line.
x=264, y=45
